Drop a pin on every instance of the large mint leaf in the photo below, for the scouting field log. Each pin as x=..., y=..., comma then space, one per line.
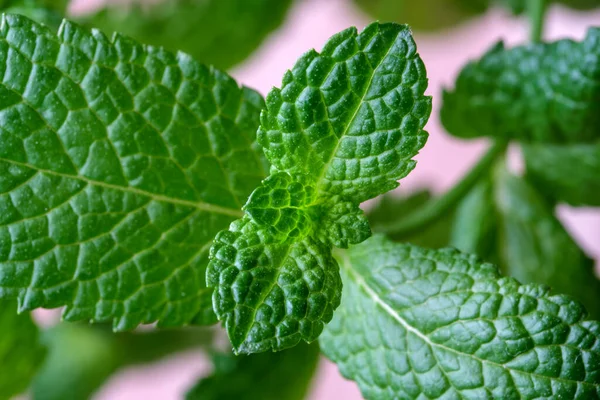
x=568, y=173
x=343, y=128
x=217, y=32
x=417, y=323
x=284, y=375
x=535, y=247
x=21, y=352
x=119, y=164
x=545, y=92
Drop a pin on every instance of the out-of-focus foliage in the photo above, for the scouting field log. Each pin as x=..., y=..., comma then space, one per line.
x=81, y=358
x=217, y=32
x=20, y=350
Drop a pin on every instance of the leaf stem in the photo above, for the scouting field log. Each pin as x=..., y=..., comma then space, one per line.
x=437, y=207
x=537, y=12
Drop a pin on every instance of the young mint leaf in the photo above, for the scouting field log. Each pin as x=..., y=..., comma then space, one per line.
x=343, y=128
x=217, y=32
x=417, y=323
x=284, y=375
x=565, y=173
x=119, y=164
x=20, y=350
x=534, y=246
x=546, y=92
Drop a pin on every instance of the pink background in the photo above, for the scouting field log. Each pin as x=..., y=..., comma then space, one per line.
x=442, y=162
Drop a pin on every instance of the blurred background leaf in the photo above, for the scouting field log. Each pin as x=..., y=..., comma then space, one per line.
x=82, y=357
x=21, y=352
x=283, y=375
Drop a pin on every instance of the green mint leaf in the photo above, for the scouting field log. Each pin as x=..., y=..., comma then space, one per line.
x=543, y=92
x=82, y=357
x=285, y=375
x=417, y=323
x=392, y=207
x=475, y=225
x=565, y=173
x=20, y=350
x=216, y=32
x=343, y=128
x=427, y=15
x=535, y=247
x=119, y=164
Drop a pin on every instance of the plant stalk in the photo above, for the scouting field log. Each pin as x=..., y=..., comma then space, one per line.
x=537, y=13
x=437, y=207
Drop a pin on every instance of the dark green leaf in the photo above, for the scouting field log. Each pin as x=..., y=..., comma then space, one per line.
x=535, y=247
x=21, y=352
x=417, y=323
x=119, y=164
x=284, y=375
x=343, y=128
x=568, y=173
x=217, y=32
x=547, y=92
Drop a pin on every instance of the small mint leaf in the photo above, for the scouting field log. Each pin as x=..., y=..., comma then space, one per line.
x=418, y=323
x=545, y=92
x=343, y=128
x=119, y=164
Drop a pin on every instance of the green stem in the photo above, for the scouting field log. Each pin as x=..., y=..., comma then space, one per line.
x=436, y=208
x=537, y=12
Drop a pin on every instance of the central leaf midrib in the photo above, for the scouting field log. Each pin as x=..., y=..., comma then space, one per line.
x=209, y=207
x=351, y=121
x=360, y=281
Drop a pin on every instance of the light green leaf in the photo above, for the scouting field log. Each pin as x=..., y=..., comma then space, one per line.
x=474, y=227
x=534, y=246
x=82, y=357
x=48, y=12
x=284, y=375
x=392, y=207
x=21, y=352
x=119, y=164
x=217, y=32
x=417, y=323
x=343, y=128
x=565, y=173
x=545, y=92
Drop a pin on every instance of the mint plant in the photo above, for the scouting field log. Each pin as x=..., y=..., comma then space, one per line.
x=139, y=186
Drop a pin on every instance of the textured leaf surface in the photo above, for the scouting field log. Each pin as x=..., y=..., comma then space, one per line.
x=568, y=173
x=284, y=375
x=216, y=32
x=82, y=357
x=417, y=323
x=535, y=247
x=537, y=93
x=21, y=352
x=119, y=164
x=343, y=128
